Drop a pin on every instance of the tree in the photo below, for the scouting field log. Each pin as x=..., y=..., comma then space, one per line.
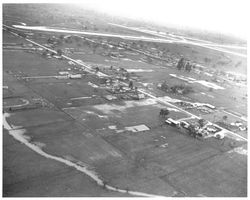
x=238, y=64
x=188, y=67
x=94, y=47
x=164, y=112
x=180, y=64
x=201, y=122
x=187, y=89
x=50, y=41
x=136, y=90
x=44, y=53
x=127, y=75
x=207, y=60
x=61, y=37
x=164, y=86
x=97, y=69
x=192, y=130
x=131, y=85
x=22, y=35
x=149, y=60
x=174, y=89
x=210, y=89
x=76, y=38
x=224, y=117
x=59, y=52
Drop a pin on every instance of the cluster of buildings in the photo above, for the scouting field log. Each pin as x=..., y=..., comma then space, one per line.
x=122, y=91
x=239, y=125
x=68, y=75
x=197, y=129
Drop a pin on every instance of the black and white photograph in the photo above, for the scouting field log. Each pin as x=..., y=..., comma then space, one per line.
x=124, y=98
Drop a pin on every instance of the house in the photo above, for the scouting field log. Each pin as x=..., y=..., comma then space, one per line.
x=62, y=77
x=209, y=106
x=184, y=124
x=75, y=76
x=64, y=73
x=172, y=122
x=219, y=135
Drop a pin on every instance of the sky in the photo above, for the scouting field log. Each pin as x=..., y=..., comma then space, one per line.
x=225, y=16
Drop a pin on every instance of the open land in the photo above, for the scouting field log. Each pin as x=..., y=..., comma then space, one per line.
x=74, y=125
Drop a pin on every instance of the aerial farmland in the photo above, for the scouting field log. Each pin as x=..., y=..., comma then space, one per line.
x=93, y=108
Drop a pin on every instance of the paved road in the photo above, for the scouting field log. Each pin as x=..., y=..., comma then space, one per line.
x=126, y=37
x=186, y=40
x=129, y=37
x=178, y=37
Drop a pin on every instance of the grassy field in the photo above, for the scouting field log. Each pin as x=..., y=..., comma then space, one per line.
x=27, y=174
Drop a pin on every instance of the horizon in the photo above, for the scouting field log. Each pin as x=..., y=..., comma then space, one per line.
x=218, y=22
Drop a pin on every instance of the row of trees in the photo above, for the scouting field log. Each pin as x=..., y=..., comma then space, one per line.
x=182, y=64
x=182, y=89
